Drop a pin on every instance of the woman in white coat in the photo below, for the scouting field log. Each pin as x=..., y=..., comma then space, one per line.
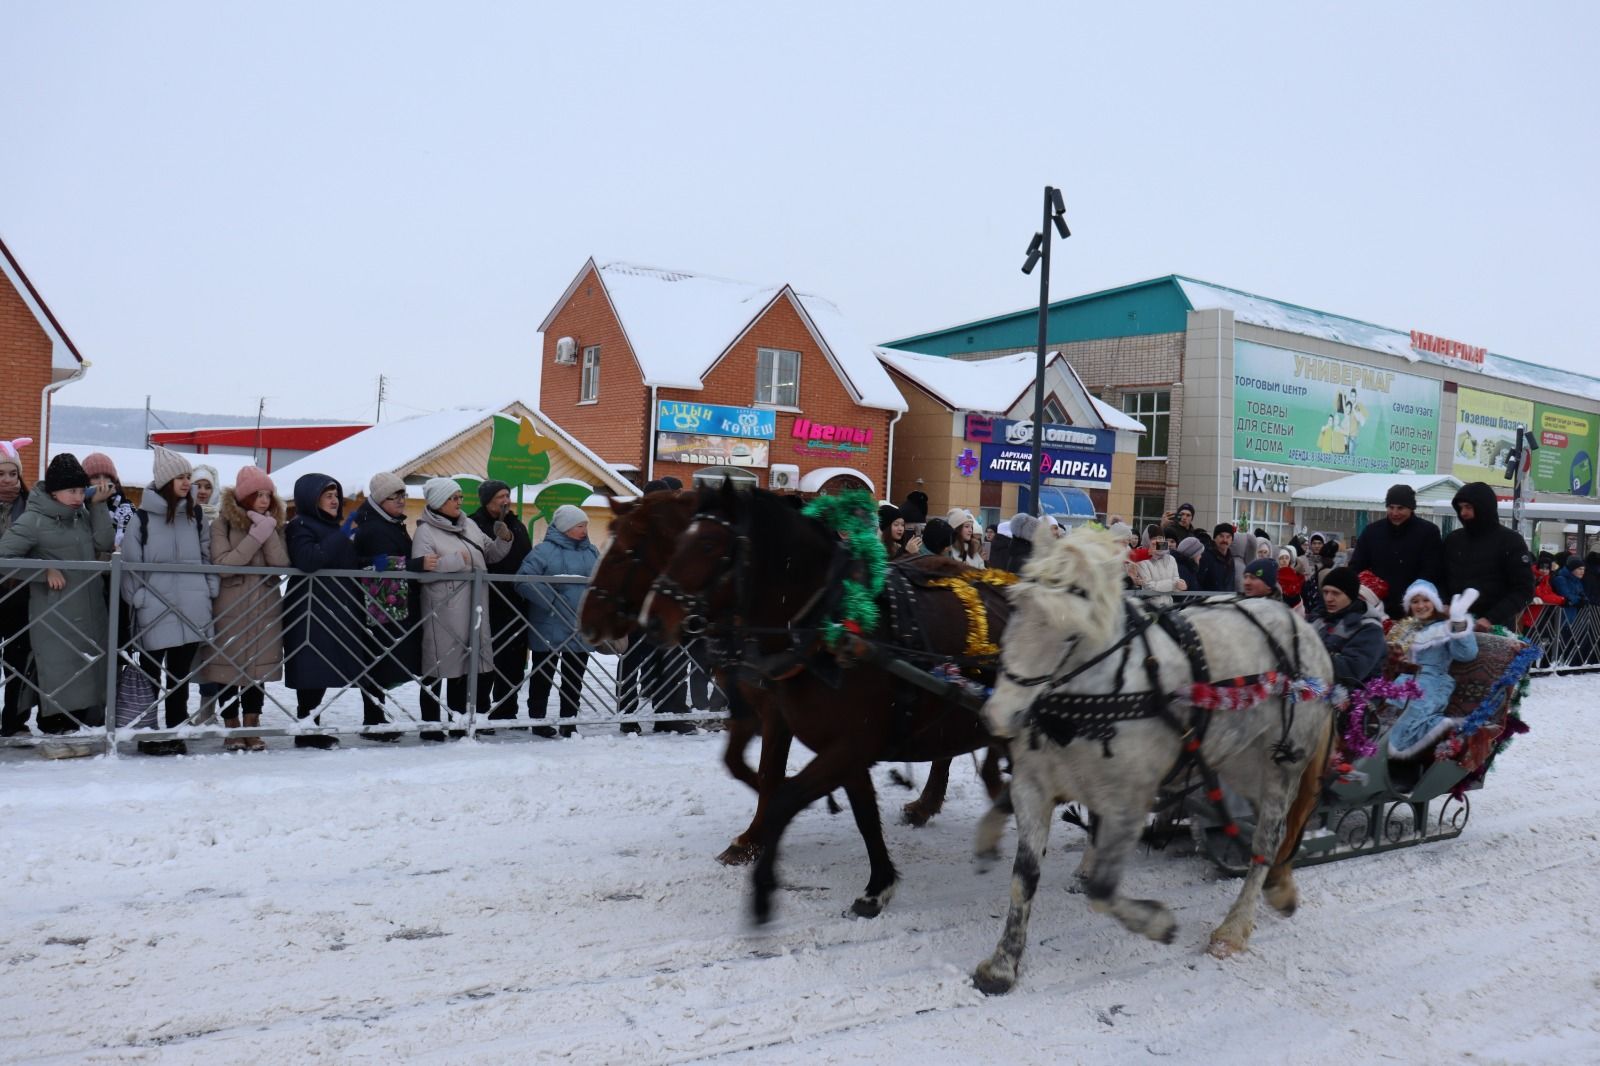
x=1158, y=573
x=449, y=610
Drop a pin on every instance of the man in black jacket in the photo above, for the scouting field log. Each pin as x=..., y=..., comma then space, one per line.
x=1401, y=549
x=1215, y=568
x=1489, y=557
x=508, y=626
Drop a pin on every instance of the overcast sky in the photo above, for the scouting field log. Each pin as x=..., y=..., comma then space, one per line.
x=225, y=201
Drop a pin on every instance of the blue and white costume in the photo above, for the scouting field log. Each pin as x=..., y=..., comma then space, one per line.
x=1424, y=722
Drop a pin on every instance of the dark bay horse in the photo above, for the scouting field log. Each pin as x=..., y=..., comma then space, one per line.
x=751, y=571
x=644, y=535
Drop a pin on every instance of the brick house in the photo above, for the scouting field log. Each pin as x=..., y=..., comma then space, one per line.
x=36, y=359
x=668, y=373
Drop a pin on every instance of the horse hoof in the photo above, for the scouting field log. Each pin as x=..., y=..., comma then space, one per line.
x=1283, y=899
x=866, y=907
x=739, y=854
x=988, y=980
x=914, y=815
x=1222, y=948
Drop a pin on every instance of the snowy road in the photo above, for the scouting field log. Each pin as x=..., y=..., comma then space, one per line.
x=514, y=901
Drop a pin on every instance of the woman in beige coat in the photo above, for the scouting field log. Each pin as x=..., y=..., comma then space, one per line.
x=448, y=609
x=247, y=650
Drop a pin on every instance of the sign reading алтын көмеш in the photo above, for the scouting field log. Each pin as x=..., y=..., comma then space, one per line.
x=682, y=416
x=1297, y=409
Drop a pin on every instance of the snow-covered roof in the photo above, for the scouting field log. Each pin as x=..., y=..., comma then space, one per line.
x=991, y=385
x=679, y=324
x=63, y=353
x=399, y=445
x=134, y=465
x=1367, y=491
x=1291, y=318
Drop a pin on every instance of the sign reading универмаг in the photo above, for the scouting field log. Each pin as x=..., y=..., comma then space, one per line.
x=682, y=416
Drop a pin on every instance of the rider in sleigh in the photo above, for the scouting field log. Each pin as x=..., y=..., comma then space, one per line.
x=1427, y=641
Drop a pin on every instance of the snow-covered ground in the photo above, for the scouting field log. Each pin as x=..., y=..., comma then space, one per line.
x=518, y=900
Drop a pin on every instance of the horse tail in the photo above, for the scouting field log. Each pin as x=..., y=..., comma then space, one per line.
x=1305, y=801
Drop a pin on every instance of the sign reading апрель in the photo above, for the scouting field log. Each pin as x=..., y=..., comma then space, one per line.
x=1296, y=409
x=709, y=419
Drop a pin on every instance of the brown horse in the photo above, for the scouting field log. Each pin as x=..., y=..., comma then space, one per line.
x=643, y=538
x=753, y=573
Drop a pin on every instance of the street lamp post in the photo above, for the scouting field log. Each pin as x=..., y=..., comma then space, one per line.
x=1055, y=214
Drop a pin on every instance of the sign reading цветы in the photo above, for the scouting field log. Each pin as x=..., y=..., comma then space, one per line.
x=1295, y=409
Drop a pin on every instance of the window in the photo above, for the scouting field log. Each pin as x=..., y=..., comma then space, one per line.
x=1154, y=409
x=1147, y=511
x=1054, y=415
x=777, y=377
x=1266, y=515
x=589, y=386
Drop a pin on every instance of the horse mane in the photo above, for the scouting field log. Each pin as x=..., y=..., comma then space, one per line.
x=1077, y=581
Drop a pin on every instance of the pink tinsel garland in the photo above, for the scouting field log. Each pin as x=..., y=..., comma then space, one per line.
x=1355, y=734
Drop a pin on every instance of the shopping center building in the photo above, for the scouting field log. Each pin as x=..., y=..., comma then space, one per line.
x=1254, y=407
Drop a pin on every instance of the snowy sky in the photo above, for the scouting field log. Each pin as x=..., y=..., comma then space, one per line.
x=222, y=201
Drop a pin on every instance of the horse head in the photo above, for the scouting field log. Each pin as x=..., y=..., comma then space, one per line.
x=1067, y=604
x=643, y=535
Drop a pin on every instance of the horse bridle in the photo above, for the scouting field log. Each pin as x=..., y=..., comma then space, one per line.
x=697, y=605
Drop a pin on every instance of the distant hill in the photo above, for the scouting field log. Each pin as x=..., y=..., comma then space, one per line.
x=123, y=427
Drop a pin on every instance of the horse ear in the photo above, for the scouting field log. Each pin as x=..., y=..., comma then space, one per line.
x=621, y=507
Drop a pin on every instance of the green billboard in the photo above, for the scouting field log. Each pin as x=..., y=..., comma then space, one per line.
x=1565, y=459
x=1298, y=409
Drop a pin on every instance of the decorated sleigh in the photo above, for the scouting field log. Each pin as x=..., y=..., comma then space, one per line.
x=1374, y=803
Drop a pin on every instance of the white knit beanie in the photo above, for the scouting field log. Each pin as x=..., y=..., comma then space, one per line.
x=385, y=484
x=438, y=490
x=567, y=516
x=168, y=464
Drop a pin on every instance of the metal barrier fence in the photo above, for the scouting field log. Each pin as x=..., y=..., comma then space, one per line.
x=368, y=652
x=1571, y=645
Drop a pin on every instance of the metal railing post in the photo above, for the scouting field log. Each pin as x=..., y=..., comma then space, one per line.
x=113, y=651
x=474, y=645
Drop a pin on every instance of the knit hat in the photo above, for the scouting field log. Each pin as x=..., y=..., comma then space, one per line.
x=1574, y=562
x=672, y=484
x=567, y=516
x=1345, y=580
x=64, y=472
x=488, y=490
x=656, y=485
x=202, y=472
x=438, y=490
x=1401, y=496
x=1023, y=526
x=960, y=516
x=1182, y=507
x=98, y=463
x=1121, y=531
x=1427, y=590
x=9, y=450
x=937, y=535
x=1264, y=569
x=383, y=485
x=1285, y=556
x=251, y=480
x=1189, y=547
x=167, y=464
x=1222, y=527
x=887, y=513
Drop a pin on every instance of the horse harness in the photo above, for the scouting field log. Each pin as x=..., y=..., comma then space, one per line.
x=1063, y=716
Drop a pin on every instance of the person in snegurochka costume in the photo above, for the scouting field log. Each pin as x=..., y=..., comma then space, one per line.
x=324, y=618
x=496, y=517
x=393, y=631
x=172, y=611
x=247, y=614
x=1401, y=549
x=1353, y=637
x=67, y=614
x=14, y=644
x=449, y=609
x=553, y=613
x=1430, y=640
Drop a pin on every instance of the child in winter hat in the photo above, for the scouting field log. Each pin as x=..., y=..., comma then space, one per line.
x=168, y=465
x=10, y=451
x=567, y=516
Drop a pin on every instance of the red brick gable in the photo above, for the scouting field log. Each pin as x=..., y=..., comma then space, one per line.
x=615, y=427
x=25, y=363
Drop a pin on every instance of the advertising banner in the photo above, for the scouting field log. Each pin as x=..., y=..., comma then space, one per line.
x=1297, y=409
x=1020, y=431
x=1567, y=444
x=1011, y=462
x=711, y=450
x=682, y=416
x=1486, y=431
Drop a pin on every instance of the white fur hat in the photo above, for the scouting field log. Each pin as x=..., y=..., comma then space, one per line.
x=1427, y=590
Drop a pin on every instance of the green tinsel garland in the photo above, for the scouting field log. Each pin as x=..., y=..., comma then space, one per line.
x=854, y=516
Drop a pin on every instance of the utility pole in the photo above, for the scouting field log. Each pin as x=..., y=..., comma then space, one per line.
x=1055, y=216
x=147, y=420
x=382, y=387
x=255, y=451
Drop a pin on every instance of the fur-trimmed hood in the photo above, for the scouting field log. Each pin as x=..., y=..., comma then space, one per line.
x=231, y=513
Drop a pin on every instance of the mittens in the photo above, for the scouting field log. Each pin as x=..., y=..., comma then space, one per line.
x=261, y=527
x=1460, y=610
